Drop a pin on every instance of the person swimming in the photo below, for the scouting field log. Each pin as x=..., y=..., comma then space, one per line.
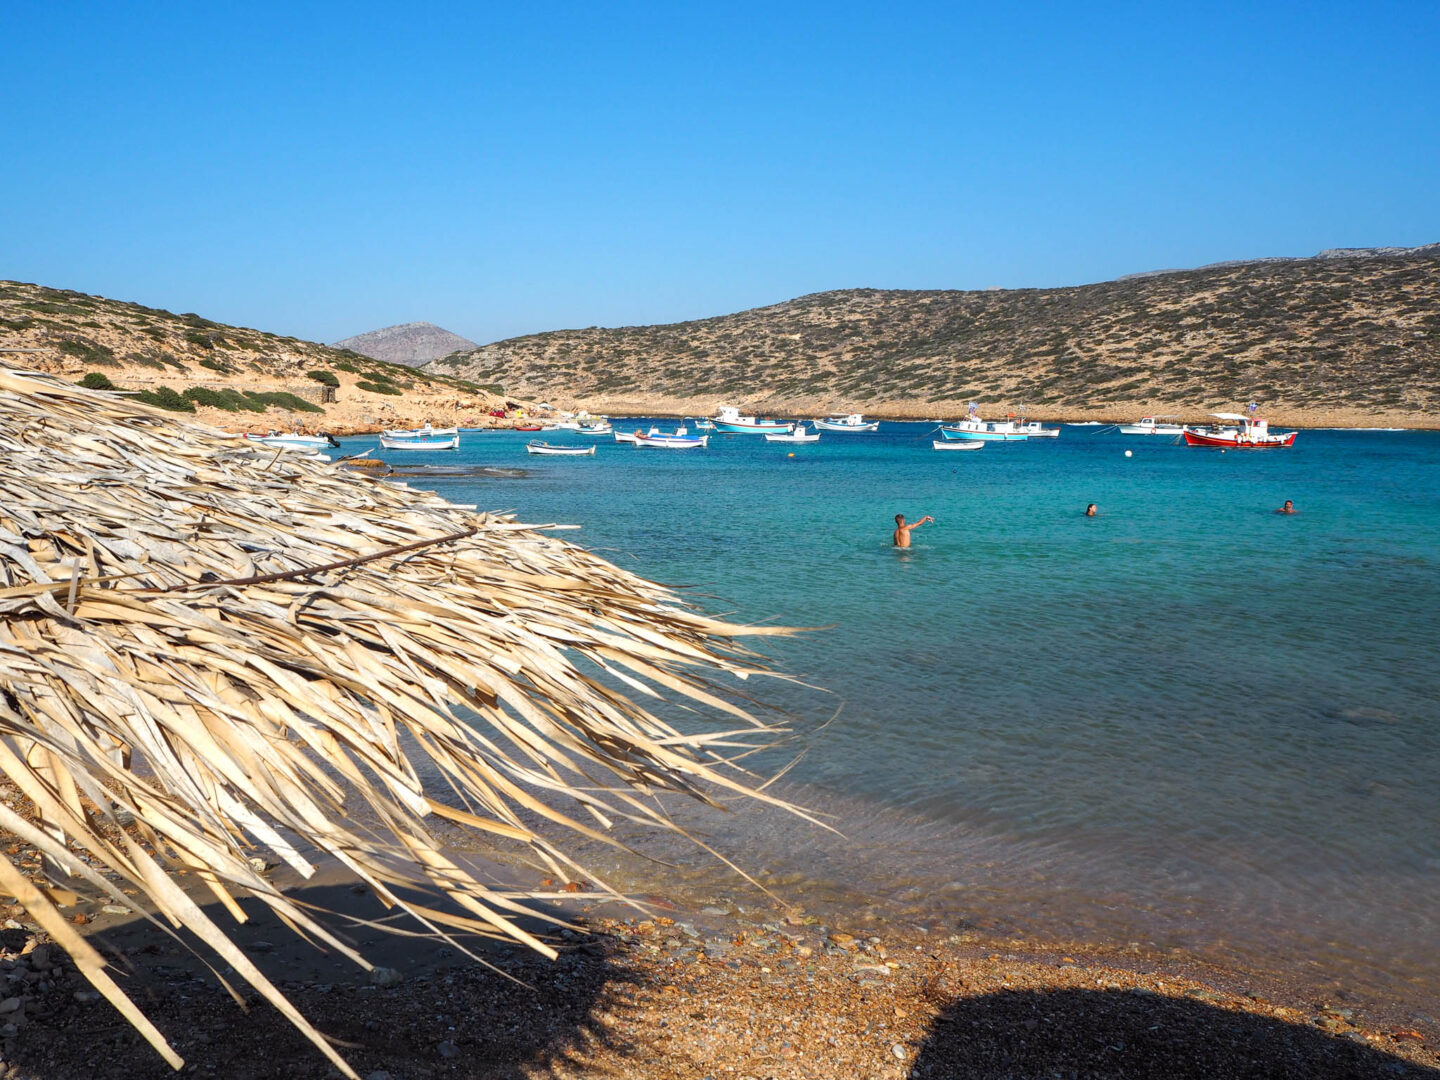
x=1288, y=508
x=902, y=531
x=1090, y=510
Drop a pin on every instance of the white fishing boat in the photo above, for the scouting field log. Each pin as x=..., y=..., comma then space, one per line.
x=672, y=442
x=1153, y=425
x=537, y=447
x=1033, y=428
x=426, y=432
x=799, y=435
x=972, y=428
x=729, y=421
x=603, y=428
x=630, y=436
x=293, y=439
x=958, y=444
x=451, y=443
x=850, y=423
x=701, y=424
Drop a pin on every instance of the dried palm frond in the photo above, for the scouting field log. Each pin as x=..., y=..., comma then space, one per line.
x=245, y=649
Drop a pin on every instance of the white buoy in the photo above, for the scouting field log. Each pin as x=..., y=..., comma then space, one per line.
x=1127, y=453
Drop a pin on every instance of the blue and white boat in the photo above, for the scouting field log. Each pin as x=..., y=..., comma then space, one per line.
x=451, y=443
x=849, y=423
x=728, y=421
x=974, y=429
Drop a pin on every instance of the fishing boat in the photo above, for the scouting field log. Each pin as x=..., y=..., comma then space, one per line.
x=728, y=421
x=654, y=432
x=799, y=435
x=701, y=424
x=535, y=446
x=601, y=428
x=1251, y=434
x=672, y=442
x=973, y=428
x=1153, y=425
x=535, y=427
x=293, y=439
x=426, y=432
x=958, y=444
x=852, y=423
x=450, y=443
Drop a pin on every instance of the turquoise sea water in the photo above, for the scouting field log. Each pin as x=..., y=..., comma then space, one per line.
x=1188, y=722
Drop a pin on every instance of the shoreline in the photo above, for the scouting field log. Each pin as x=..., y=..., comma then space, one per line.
x=677, y=992
x=1308, y=420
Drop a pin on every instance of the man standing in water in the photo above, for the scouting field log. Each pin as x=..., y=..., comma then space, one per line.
x=902, y=531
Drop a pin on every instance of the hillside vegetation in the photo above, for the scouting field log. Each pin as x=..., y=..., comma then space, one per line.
x=227, y=375
x=1306, y=337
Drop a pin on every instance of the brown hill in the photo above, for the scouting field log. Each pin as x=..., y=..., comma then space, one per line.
x=228, y=376
x=411, y=343
x=1350, y=337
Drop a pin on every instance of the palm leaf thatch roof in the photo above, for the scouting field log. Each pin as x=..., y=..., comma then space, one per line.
x=252, y=653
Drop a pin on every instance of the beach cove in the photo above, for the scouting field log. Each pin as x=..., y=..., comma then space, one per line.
x=1188, y=723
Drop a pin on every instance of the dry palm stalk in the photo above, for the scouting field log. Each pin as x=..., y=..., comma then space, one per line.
x=239, y=648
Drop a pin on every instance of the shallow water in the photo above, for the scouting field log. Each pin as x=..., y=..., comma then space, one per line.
x=1187, y=721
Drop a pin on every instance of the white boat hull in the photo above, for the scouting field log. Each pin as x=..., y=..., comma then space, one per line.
x=559, y=451
x=388, y=443
x=958, y=444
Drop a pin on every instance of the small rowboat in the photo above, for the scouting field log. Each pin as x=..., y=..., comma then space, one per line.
x=800, y=435
x=426, y=432
x=672, y=442
x=294, y=439
x=537, y=447
x=852, y=423
x=958, y=444
x=452, y=443
x=534, y=427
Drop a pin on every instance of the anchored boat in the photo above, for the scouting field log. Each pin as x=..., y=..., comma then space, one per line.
x=451, y=443
x=728, y=421
x=535, y=446
x=799, y=435
x=1153, y=425
x=850, y=423
x=1252, y=434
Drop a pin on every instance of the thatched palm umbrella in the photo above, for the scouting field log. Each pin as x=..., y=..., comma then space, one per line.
x=239, y=647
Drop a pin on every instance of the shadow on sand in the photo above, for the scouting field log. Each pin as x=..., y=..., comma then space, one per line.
x=449, y=1016
x=1094, y=1034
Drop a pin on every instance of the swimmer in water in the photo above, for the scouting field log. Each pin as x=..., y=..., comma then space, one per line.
x=1090, y=510
x=1288, y=508
x=902, y=531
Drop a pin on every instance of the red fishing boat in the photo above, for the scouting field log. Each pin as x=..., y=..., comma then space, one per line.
x=1251, y=434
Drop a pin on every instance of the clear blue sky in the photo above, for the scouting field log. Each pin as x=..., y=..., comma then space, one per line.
x=324, y=169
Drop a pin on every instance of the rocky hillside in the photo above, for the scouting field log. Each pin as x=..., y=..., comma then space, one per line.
x=225, y=375
x=1348, y=333
x=411, y=343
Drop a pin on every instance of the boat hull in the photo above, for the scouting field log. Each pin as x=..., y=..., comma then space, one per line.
x=559, y=451
x=773, y=427
x=671, y=442
x=420, y=444
x=1239, y=441
x=848, y=429
x=957, y=444
x=984, y=436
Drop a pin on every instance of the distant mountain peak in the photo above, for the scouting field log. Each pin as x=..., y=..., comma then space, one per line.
x=411, y=343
